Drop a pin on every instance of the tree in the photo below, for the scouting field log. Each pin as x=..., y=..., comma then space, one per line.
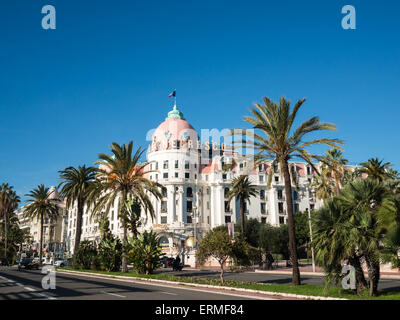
x=145, y=252
x=218, y=245
x=86, y=255
x=8, y=204
x=281, y=143
x=353, y=227
x=109, y=253
x=333, y=167
x=323, y=186
x=122, y=176
x=243, y=190
x=77, y=185
x=41, y=206
x=376, y=169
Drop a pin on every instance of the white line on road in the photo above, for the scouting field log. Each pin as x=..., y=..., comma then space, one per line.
x=172, y=294
x=29, y=289
x=113, y=294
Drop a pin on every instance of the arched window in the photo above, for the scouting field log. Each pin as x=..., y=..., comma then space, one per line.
x=163, y=242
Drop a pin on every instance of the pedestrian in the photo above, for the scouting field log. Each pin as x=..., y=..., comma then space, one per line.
x=270, y=261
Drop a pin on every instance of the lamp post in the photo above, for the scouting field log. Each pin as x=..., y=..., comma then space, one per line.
x=195, y=233
x=311, y=237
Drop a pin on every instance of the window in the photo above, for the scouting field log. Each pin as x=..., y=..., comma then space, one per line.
x=224, y=176
x=280, y=207
x=281, y=220
x=276, y=179
x=165, y=164
x=164, y=192
x=262, y=194
x=260, y=167
x=187, y=175
x=227, y=208
x=226, y=191
x=262, y=207
x=308, y=171
x=264, y=220
x=208, y=205
x=163, y=206
x=260, y=178
x=228, y=219
x=165, y=175
x=156, y=165
x=296, y=208
x=311, y=207
x=189, y=207
x=176, y=164
x=176, y=175
x=188, y=219
x=208, y=219
x=295, y=195
x=186, y=164
x=189, y=192
x=164, y=220
x=280, y=194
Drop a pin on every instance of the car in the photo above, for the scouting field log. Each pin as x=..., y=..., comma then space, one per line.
x=28, y=264
x=60, y=263
x=167, y=262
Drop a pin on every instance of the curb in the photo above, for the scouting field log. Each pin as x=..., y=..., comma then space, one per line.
x=266, y=293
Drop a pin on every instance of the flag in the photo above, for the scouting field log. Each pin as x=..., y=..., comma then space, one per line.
x=173, y=94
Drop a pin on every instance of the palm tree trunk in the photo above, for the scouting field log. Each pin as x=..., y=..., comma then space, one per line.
x=125, y=240
x=361, y=283
x=337, y=189
x=373, y=274
x=41, y=239
x=291, y=229
x=124, y=248
x=242, y=216
x=78, y=231
x=5, y=234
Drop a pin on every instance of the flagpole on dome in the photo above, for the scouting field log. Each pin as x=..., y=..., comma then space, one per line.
x=173, y=94
x=175, y=99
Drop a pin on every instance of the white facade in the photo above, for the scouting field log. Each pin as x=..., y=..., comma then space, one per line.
x=195, y=187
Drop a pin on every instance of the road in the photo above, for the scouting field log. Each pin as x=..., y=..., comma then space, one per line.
x=26, y=285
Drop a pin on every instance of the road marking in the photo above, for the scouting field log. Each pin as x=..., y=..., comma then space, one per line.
x=172, y=294
x=113, y=294
x=29, y=289
x=175, y=286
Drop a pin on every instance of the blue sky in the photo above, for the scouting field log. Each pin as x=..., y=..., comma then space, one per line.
x=105, y=73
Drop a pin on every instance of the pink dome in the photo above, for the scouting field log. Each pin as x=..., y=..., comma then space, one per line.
x=173, y=133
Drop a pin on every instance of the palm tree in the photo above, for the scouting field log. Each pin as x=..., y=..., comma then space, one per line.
x=281, y=143
x=375, y=169
x=41, y=206
x=323, y=186
x=333, y=166
x=353, y=226
x=77, y=185
x=243, y=190
x=120, y=177
x=8, y=204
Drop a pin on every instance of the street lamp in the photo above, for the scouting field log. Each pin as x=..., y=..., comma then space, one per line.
x=311, y=237
x=195, y=233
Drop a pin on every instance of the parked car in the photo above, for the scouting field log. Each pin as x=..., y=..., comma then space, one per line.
x=60, y=263
x=28, y=264
x=167, y=262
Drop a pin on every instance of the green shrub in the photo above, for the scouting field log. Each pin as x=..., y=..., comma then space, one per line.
x=144, y=252
x=110, y=252
x=85, y=255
